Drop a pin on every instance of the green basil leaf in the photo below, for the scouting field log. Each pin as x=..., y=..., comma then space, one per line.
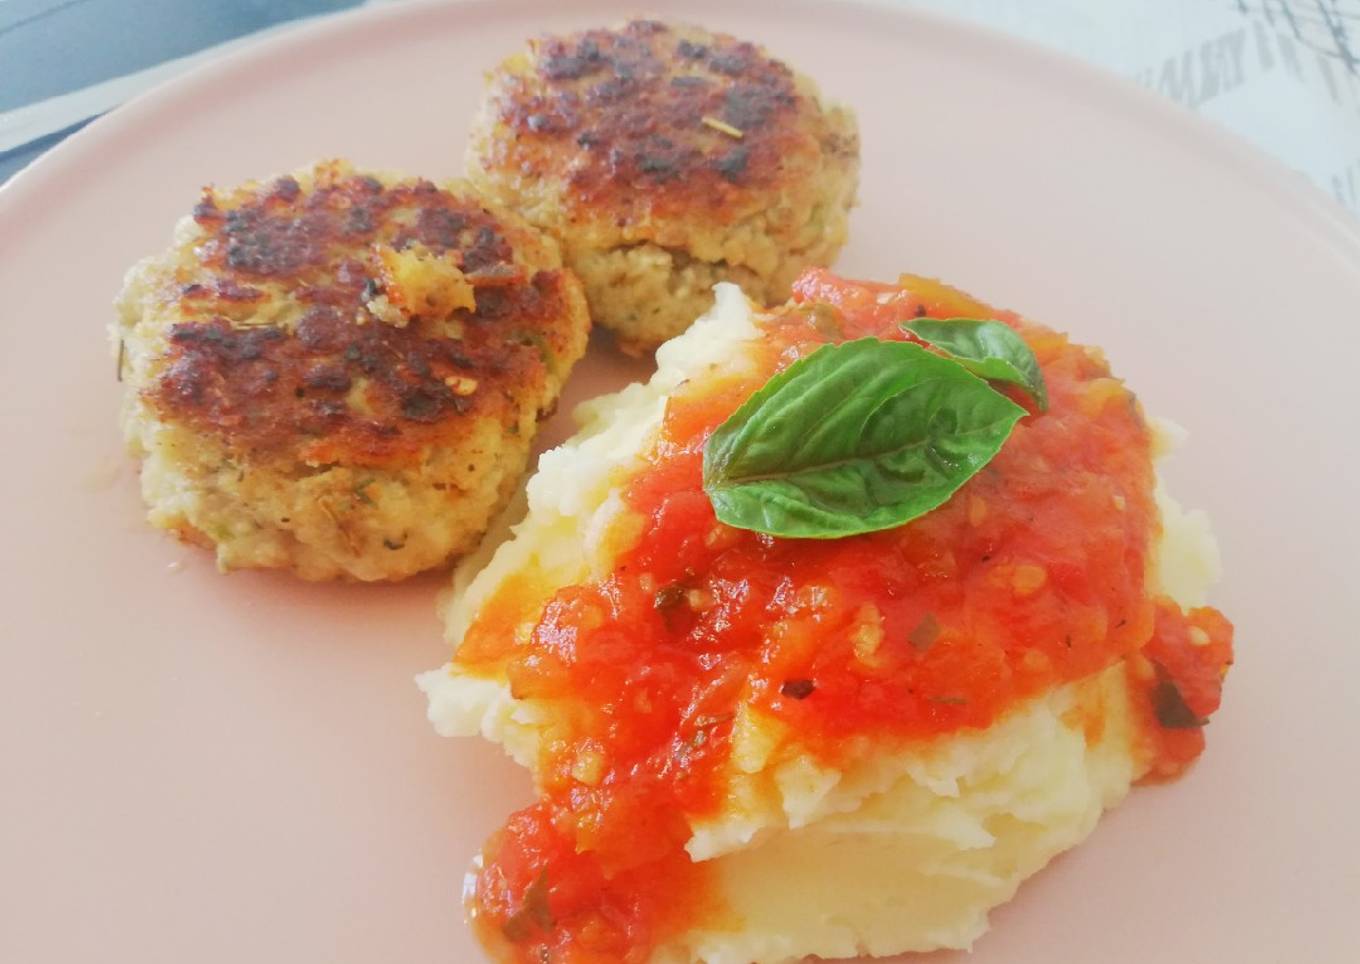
x=988, y=349
x=854, y=438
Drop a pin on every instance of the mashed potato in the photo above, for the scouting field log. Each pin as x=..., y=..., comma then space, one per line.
x=892, y=851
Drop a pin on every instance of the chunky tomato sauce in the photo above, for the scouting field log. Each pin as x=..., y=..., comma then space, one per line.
x=1032, y=575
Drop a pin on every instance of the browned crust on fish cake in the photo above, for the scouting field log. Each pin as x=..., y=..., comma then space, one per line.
x=266, y=389
x=619, y=115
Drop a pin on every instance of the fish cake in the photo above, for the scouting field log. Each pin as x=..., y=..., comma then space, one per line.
x=340, y=373
x=666, y=159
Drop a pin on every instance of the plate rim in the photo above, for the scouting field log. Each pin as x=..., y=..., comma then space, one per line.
x=324, y=36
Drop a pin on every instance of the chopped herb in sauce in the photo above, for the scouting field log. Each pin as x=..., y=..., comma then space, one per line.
x=533, y=912
x=1171, y=709
x=797, y=689
x=670, y=596
x=925, y=633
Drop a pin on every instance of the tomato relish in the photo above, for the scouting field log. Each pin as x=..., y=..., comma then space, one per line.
x=1032, y=575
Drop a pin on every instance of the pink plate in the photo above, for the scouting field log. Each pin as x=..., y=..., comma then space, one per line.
x=207, y=769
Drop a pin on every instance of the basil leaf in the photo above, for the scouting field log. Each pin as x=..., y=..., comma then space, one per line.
x=986, y=348
x=854, y=438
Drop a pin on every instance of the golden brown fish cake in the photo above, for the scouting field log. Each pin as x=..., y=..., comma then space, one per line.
x=666, y=159
x=341, y=373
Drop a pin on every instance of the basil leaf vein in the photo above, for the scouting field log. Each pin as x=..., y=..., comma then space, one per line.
x=856, y=437
x=988, y=349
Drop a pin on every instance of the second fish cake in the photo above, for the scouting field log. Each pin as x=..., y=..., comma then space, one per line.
x=667, y=159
